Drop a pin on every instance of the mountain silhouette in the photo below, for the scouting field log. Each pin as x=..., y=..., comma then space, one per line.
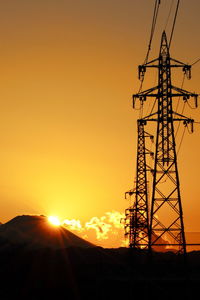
x=36, y=232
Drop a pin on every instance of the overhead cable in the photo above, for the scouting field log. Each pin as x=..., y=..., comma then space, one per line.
x=153, y=26
x=181, y=141
x=174, y=23
x=196, y=61
x=169, y=14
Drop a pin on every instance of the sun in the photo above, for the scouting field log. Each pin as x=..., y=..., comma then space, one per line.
x=54, y=220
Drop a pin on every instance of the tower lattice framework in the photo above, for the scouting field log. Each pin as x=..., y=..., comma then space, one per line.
x=137, y=216
x=165, y=222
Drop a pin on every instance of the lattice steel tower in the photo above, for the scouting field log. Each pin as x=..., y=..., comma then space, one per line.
x=137, y=216
x=165, y=224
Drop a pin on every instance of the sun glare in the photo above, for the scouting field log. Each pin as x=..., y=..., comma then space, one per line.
x=54, y=221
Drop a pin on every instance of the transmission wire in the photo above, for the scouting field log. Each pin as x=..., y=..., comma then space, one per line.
x=178, y=105
x=179, y=122
x=154, y=21
x=181, y=141
x=195, y=62
x=174, y=23
x=190, y=106
x=170, y=10
x=181, y=88
x=155, y=16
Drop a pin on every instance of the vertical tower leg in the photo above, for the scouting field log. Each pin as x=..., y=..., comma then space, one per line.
x=137, y=216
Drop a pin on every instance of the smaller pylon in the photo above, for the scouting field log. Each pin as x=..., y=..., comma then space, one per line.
x=137, y=216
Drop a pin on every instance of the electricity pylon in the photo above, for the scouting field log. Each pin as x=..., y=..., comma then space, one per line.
x=137, y=216
x=166, y=226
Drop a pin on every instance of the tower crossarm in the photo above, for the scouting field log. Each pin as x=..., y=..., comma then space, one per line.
x=174, y=63
x=174, y=92
x=175, y=117
x=183, y=93
x=186, y=67
x=142, y=96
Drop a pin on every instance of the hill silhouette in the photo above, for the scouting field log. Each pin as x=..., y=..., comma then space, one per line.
x=36, y=232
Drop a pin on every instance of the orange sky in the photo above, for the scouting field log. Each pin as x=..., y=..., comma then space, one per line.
x=67, y=128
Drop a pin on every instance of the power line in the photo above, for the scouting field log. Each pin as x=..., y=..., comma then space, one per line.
x=181, y=141
x=179, y=103
x=179, y=122
x=173, y=26
x=184, y=75
x=170, y=10
x=153, y=26
x=190, y=106
x=195, y=62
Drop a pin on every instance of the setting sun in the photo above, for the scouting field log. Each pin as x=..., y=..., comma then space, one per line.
x=54, y=221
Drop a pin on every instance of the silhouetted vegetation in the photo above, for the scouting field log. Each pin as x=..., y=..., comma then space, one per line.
x=95, y=273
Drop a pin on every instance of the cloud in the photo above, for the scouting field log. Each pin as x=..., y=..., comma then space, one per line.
x=106, y=230
x=73, y=224
x=101, y=227
x=115, y=218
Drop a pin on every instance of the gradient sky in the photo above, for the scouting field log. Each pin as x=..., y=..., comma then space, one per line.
x=68, y=69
